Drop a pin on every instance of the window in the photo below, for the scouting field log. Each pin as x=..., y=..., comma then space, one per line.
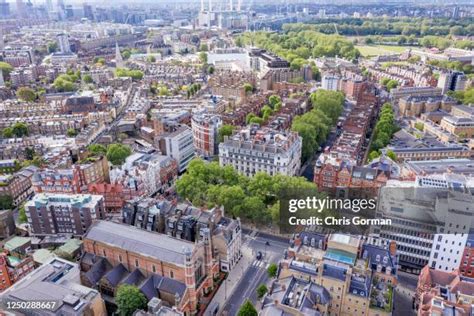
x=153, y=268
x=171, y=274
x=120, y=258
x=136, y=263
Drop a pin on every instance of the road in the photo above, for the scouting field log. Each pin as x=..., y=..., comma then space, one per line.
x=256, y=272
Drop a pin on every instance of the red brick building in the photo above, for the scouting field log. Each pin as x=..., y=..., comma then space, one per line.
x=336, y=173
x=72, y=180
x=188, y=263
x=13, y=268
x=442, y=293
x=466, y=266
x=113, y=194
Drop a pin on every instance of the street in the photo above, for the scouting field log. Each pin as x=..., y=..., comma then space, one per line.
x=255, y=273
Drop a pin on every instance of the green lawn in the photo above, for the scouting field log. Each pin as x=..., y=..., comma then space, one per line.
x=374, y=50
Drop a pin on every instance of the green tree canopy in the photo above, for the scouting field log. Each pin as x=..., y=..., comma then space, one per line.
x=203, y=57
x=125, y=72
x=272, y=270
x=261, y=290
x=18, y=129
x=224, y=130
x=129, y=299
x=6, y=68
x=52, y=47
x=6, y=202
x=26, y=94
x=71, y=132
x=247, y=309
x=117, y=153
x=97, y=149
x=248, y=87
x=208, y=184
x=87, y=79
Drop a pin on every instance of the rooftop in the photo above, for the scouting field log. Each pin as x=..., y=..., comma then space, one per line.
x=56, y=280
x=135, y=240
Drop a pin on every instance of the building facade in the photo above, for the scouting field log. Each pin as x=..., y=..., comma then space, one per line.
x=54, y=213
x=254, y=149
x=205, y=129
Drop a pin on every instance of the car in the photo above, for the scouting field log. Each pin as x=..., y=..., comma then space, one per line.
x=259, y=255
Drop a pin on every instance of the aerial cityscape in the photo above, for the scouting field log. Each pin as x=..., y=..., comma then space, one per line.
x=237, y=158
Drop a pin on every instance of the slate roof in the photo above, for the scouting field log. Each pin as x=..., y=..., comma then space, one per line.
x=371, y=253
x=135, y=240
x=117, y=274
x=97, y=271
x=155, y=284
x=134, y=278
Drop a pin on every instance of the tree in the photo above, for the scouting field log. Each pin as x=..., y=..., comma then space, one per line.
x=22, y=215
x=6, y=202
x=20, y=129
x=29, y=153
x=117, y=153
x=257, y=120
x=26, y=94
x=248, y=88
x=261, y=290
x=97, y=149
x=6, y=68
x=99, y=60
x=373, y=155
x=392, y=84
x=249, y=117
x=71, y=132
x=151, y=59
x=129, y=299
x=331, y=103
x=203, y=57
x=52, y=47
x=87, y=79
x=125, y=72
x=224, y=130
x=273, y=100
x=210, y=70
x=203, y=47
x=239, y=42
x=126, y=54
x=64, y=83
x=7, y=132
x=247, y=309
x=392, y=155
x=272, y=270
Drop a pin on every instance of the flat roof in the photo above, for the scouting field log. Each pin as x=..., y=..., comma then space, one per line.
x=340, y=256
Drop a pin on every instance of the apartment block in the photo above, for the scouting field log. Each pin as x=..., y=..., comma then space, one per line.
x=75, y=179
x=254, y=149
x=178, y=145
x=350, y=276
x=67, y=214
x=416, y=105
x=205, y=129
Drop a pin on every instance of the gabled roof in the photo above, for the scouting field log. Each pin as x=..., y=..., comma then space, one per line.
x=135, y=240
x=117, y=274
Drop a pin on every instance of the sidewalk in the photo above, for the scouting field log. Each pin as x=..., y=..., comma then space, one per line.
x=233, y=278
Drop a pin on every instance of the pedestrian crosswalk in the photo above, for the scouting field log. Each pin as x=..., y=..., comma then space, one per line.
x=260, y=264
